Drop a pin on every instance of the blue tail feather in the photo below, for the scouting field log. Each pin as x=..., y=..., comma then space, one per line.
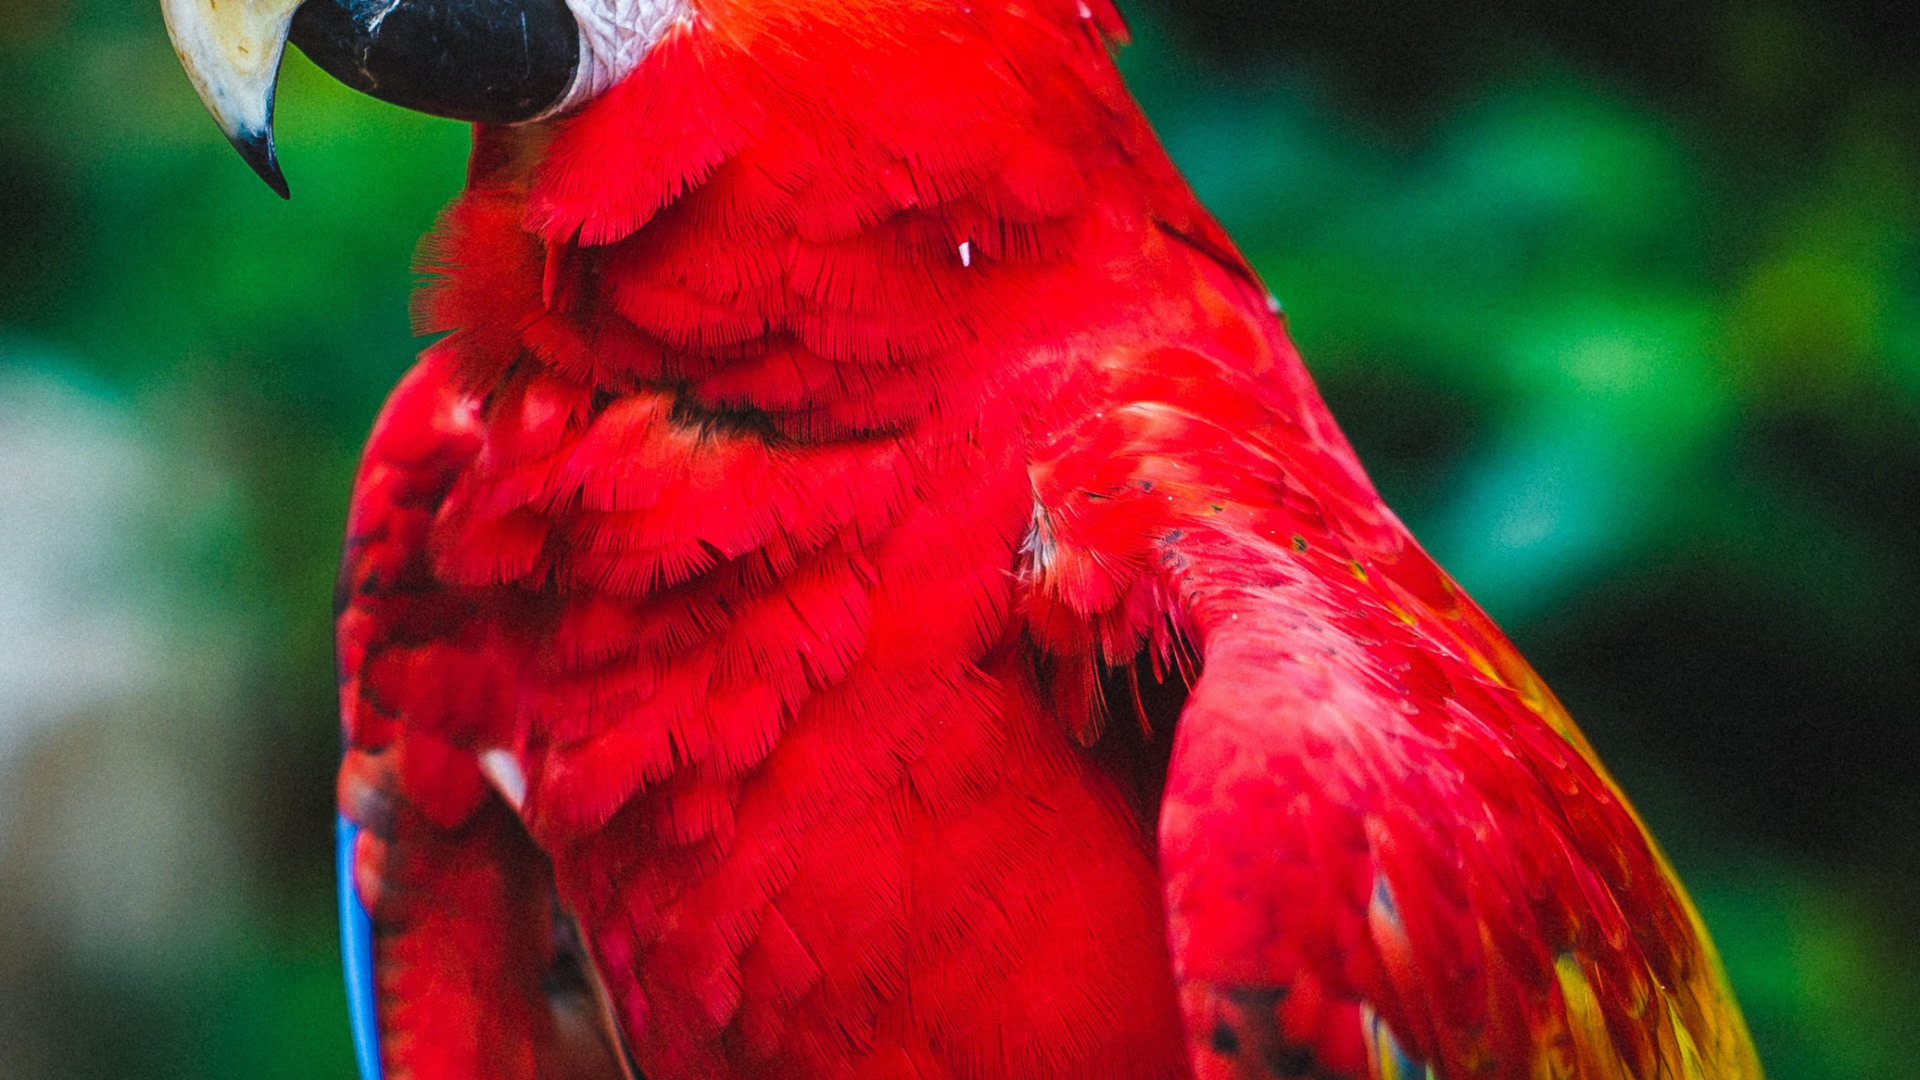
x=356, y=953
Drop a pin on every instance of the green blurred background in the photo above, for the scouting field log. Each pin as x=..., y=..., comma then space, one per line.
x=1621, y=304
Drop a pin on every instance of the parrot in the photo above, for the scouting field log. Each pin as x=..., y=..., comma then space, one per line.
x=863, y=586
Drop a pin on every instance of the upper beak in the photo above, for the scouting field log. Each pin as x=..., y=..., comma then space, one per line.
x=231, y=50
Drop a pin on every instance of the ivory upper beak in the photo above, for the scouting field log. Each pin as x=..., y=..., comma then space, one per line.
x=231, y=50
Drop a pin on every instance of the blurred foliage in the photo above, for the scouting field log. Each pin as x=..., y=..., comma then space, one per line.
x=1620, y=304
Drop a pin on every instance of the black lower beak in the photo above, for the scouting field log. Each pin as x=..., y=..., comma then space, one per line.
x=495, y=61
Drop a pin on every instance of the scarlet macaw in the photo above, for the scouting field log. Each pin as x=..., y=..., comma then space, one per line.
x=867, y=588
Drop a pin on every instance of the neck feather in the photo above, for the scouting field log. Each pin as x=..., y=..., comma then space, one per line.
x=824, y=227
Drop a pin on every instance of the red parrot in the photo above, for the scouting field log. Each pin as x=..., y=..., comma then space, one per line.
x=865, y=587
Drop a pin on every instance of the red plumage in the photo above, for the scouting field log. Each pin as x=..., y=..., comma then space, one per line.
x=752, y=611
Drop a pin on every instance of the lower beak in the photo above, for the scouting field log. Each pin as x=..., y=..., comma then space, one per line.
x=231, y=50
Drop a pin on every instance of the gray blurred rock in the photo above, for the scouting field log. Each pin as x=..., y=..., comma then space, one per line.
x=118, y=853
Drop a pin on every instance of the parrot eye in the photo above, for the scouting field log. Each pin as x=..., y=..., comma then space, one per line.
x=494, y=61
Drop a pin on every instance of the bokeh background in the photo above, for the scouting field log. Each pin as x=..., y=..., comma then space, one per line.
x=1620, y=302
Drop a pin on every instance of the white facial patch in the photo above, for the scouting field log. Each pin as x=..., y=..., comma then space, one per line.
x=614, y=37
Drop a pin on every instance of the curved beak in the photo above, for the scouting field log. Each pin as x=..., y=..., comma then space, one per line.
x=231, y=50
x=490, y=61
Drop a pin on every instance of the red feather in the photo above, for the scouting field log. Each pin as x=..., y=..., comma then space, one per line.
x=840, y=419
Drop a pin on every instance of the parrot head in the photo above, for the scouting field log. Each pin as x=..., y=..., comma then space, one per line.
x=489, y=61
x=493, y=61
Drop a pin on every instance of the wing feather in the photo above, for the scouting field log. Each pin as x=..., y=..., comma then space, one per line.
x=449, y=913
x=1387, y=851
